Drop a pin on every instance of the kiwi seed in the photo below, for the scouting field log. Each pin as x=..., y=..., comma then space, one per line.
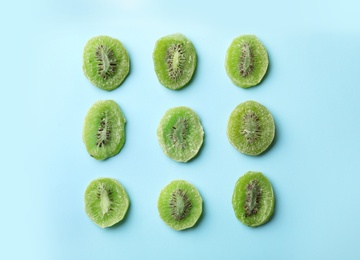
x=178, y=133
x=105, y=200
x=253, y=195
x=106, y=61
x=180, y=204
x=251, y=128
x=175, y=58
x=103, y=134
x=246, y=64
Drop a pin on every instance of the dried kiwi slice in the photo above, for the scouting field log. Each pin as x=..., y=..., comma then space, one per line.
x=180, y=205
x=246, y=61
x=174, y=60
x=106, y=62
x=253, y=199
x=104, y=129
x=106, y=202
x=251, y=128
x=180, y=134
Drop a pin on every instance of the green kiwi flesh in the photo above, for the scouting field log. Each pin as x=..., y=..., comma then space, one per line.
x=106, y=202
x=106, y=62
x=104, y=129
x=174, y=60
x=246, y=61
x=251, y=128
x=180, y=205
x=253, y=199
x=180, y=134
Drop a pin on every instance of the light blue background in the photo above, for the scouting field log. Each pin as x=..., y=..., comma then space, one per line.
x=312, y=89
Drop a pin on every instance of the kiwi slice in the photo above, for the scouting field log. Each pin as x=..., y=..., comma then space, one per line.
x=253, y=199
x=174, y=60
x=106, y=62
x=106, y=202
x=104, y=129
x=180, y=205
x=251, y=128
x=180, y=134
x=246, y=61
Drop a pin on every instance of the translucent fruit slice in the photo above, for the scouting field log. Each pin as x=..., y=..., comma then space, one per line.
x=106, y=62
x=246, y=61
x=253, y=199
x=251, y=128
x=106, y=202
x=180, y=134
x=180, y=205
x=174, y=60
x=104, y=129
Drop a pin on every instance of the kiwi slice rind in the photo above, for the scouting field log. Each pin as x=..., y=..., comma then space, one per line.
x=106, y=202
x=104, y=129
x=180, y=205
x=253, y=199
x=106, y=62
x=180, y=134
x=246, y=61
x=251, y=128
x=174, y=58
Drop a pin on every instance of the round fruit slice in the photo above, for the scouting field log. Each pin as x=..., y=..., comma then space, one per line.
x=251, y=128
x=246, y=61
x=180, y=134
x=253, y=199
x=174, y=60
x=180, y=205
x=104, y=129
x=106, y=202
x=106, y=62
